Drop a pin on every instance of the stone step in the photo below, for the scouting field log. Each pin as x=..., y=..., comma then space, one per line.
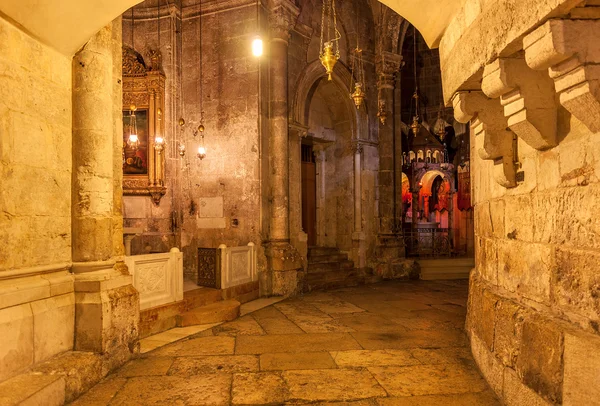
x=225, y=310
x=330, y=266
x=33, y=389
x=335, y=279
x=321, y=259
x=201, y=297
x=316, y=251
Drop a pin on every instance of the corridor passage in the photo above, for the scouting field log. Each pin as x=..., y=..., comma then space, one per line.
x=393, y=343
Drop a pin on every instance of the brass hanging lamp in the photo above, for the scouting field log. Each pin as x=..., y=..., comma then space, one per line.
x=330, y=36
x=133, y=141
x=159, y=140
x=200, y=131
x=415, y=126
x=358, y=73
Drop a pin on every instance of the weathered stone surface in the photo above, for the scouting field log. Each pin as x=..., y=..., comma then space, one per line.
x=491, y=368
x=295, y=343
x=188, y=366
x=101, y=394
x=16, y=326
x=258, y=389
x=486, y=398
x=515, y=392
x=508, y=331
x=146, y=367
x=297, y=360
x=581, y=369
x=540, y=361
x=225, y=310
x=365, y=358
x=334, y=384
x=213, y=345
x=428, y=379
x=242, y=326
x=33, y=389
x=200, y=390
x=450, y=355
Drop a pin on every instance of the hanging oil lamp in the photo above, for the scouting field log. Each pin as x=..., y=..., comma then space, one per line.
x=358, y=95
x=330, y=49
x=133, y=140
x=201, y=149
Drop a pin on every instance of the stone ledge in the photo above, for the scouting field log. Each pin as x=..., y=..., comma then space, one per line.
x=33, y=389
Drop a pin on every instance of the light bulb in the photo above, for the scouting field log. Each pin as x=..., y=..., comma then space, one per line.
x=201, y=152
x=133, y=138
x=257, y=47
x=159, y=140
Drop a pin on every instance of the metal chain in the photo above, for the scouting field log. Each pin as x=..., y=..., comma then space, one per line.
x=322, y=26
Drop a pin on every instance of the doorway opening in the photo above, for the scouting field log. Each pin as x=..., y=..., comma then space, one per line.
x=309, y=194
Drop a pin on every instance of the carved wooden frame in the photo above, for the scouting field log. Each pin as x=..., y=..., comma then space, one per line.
x=144, y=87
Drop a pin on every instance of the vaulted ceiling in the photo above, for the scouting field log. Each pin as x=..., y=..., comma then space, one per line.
x=66, y=25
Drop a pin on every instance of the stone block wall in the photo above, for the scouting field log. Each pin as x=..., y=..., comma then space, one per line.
x=534, y=305
x=36, y=290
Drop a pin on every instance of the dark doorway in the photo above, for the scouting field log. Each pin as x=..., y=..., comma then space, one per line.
x=309, y=194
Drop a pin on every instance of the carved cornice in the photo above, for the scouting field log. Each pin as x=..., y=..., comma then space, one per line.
x=489, y=124
x=568, y=50
x=527, y=97
x=283, y=15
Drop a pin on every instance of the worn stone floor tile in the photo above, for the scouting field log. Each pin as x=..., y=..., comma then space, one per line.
x=258, y=304
x=212, y=345
x=332, y=385
x=450, y=355
x=299, y=360
x=211, y=389
x=270, y=312
x=258, y=389
x=295, y=343
x=486, y=398
x=420, y=380
x=411, y=339
x=101, y=394
x=365, y=402
x=188, y=366
x=370, y=322
x=409, y=305
x=452, y=308
x=146, y=367
x=296, y=309
x=365, y=358
x=333, y=306
x=417, y=323
x=245, y=325
x=310, y=324
x=275, y=325
x=147, y=345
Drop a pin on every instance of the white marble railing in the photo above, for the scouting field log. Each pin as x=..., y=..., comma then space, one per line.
x=157, y=277
x=238, y=265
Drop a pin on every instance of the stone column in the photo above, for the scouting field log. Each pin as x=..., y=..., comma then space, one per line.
x=415, y=210
x=358, y=236
x=107, y=305
x=426, y=206
x=451, y=219
x=283, y=260
x=390, y=244
x=319, y=153
x=298, y=237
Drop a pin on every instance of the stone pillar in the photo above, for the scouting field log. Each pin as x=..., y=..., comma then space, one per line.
x=415, y=210
x=390, y=243
x=319, y=153
x=426, y=206
x=283, y=260
x=358, y=236
x=107, y=304
x=298, y=237
x=451, y=219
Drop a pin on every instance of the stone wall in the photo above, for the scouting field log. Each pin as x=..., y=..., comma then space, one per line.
x=215, y=200
x=534, y=309
x=36, y=291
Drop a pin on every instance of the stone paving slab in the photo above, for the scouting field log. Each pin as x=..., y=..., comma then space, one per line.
x=259, y=389
x=411, y=339
x=486, y=398
x=419, y=380
x=298, y=360
x=189, y=366
x=365, y=358
x=210, y=389
x=295, y=343
x=332, y=384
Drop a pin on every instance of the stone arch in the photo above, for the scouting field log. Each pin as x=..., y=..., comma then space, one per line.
x=425, y=179
x=306, y=87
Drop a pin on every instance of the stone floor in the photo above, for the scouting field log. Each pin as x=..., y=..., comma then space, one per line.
x=393, y=343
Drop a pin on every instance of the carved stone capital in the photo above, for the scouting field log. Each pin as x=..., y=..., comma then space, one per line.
x=282, y=18
x=489, y=124
x=298, y=130
x=527, y=97
x=357, y=148
x=569, y=50
x=387, y=65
